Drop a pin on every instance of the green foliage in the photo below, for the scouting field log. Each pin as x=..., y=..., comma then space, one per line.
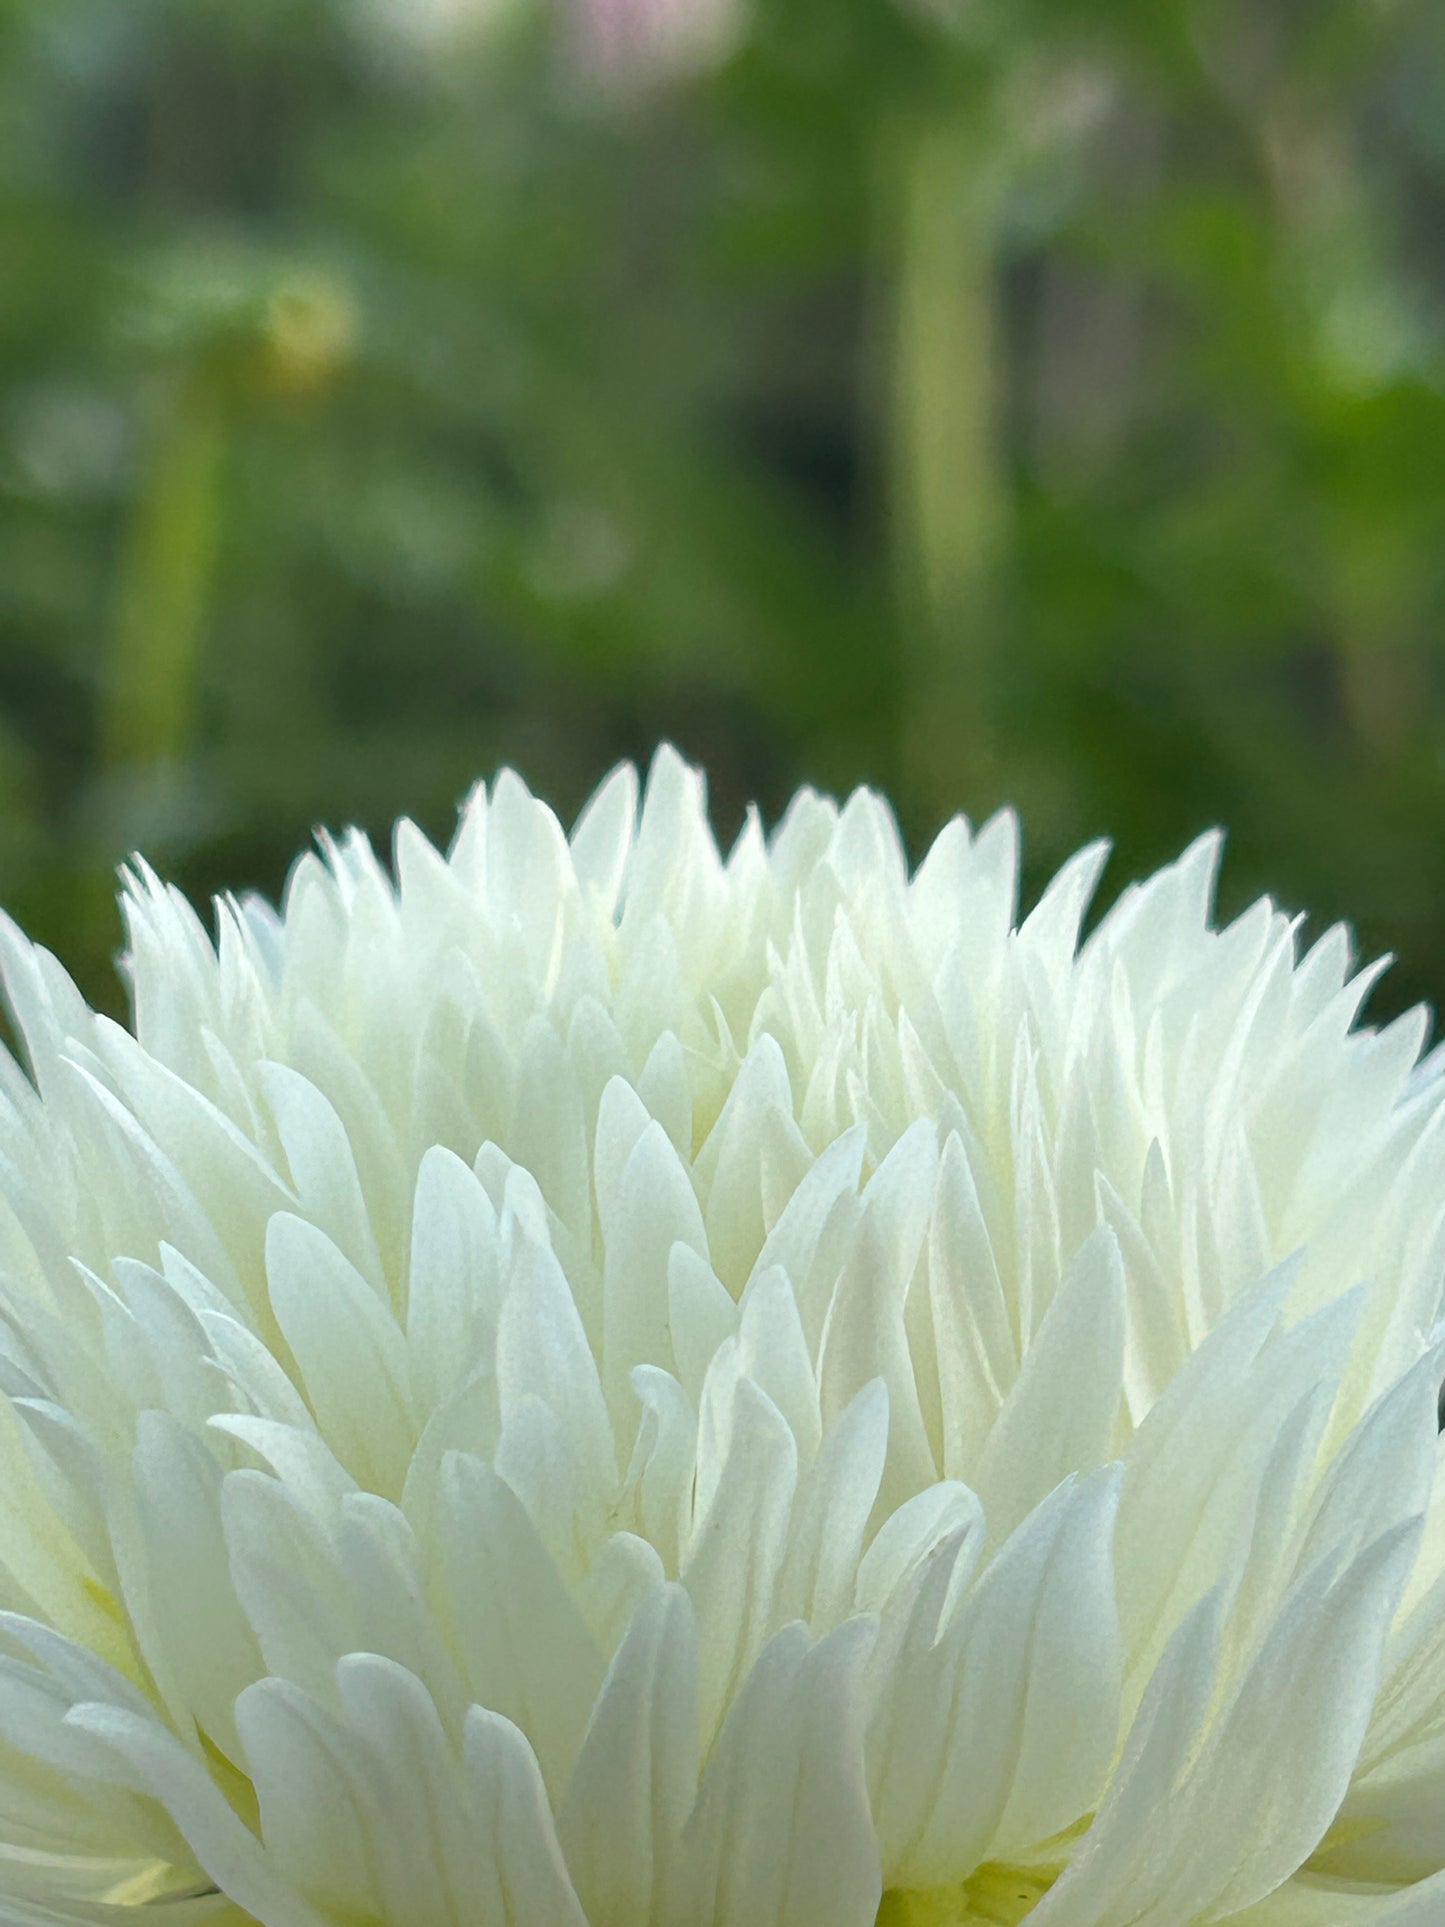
x=1028, y=402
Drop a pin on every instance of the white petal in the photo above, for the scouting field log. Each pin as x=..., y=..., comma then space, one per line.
x=602, y=840
x=1059, y=1415
x=228, y=1851
x=655, y=1207
x=782, y=1836
x=526, y=1649
x=529, y=1886
x=1035, y=1706
x=738, y=1540
x=351, y=1356
x=452, y=1278
x=634, y=1781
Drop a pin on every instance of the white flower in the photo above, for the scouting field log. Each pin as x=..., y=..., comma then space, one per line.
x=596, y=1383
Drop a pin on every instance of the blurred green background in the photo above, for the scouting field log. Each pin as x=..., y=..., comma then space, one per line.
x=1031, y=400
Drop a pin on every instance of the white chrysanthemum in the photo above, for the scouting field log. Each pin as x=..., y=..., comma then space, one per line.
x=595, y=1383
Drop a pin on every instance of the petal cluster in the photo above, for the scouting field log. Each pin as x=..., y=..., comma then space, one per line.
x=590, y=1382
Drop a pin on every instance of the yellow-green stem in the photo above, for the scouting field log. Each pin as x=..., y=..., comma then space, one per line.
x=948, y=501
x=165, y=586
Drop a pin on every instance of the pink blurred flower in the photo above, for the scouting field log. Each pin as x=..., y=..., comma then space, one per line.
x=632, y=43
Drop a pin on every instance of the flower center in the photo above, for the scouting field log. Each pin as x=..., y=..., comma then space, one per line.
x=994, y=1897
x=156, y=1884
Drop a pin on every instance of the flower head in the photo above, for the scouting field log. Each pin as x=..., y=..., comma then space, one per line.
x=587, y=1383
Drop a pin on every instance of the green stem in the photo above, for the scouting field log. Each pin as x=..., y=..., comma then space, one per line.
x=948, y=501
x=166, y=576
